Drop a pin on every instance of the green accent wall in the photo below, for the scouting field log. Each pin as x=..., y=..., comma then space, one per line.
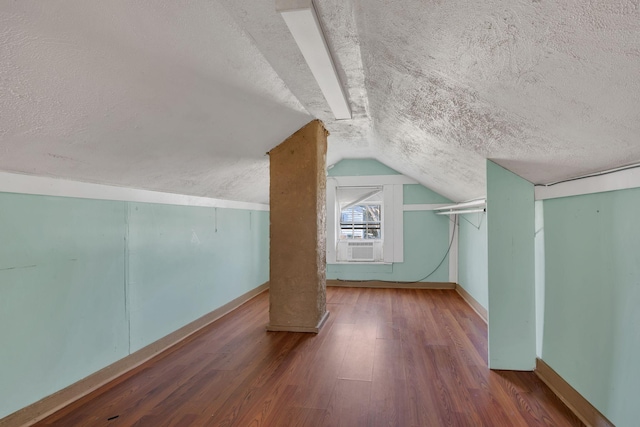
x=178, y=258
x=539, y=274
x=592, y=298
x=62, y=305
x=426, y=239
x=472, y=256
x=425, y=234
x=415, y=194
x=510, y=238
x=360, y=167
x=84, y=283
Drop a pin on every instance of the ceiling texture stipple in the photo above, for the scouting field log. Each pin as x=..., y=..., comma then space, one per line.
x=188, y=96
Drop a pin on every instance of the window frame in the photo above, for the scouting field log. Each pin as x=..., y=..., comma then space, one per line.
x=392, y=217
x=364, y=224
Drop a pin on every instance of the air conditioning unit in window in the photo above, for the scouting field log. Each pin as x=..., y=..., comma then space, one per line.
x=360, y=251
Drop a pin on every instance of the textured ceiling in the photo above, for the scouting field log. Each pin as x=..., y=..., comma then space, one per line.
x=187, y=96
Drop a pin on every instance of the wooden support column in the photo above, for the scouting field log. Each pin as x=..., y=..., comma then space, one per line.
x=297, y=275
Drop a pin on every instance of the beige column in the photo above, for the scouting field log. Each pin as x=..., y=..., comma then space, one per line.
x=297, y=276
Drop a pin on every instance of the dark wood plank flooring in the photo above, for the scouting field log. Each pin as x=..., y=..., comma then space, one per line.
x=384, y=358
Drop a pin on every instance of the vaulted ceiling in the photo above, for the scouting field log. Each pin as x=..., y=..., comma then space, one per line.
x=188, y=96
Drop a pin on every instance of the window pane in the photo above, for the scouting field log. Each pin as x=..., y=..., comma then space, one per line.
x=361, y=221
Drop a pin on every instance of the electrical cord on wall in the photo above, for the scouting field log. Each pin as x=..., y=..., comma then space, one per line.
x=455, y=223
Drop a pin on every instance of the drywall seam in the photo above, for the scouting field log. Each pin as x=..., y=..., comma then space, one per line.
x=620, y=180
x=39, y=410
x=46, y=186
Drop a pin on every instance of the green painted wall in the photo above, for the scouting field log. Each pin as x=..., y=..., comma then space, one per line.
x=592, y=298
x=415, y=194
x=171, y=245
x=510, y=237
x=472, y=256
x=539, y=274
x=425, y=234
x=425, y=243
x=84, y=282
x=360, y=167
x=62, y=307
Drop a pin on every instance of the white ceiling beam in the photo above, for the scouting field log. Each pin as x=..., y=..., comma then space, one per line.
x=302, y=20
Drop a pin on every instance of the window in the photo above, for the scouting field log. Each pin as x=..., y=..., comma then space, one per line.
x=360, y=225
x=360, y=213
x=365, y=219
x=361, y=222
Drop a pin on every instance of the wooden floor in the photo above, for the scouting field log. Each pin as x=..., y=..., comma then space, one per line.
x=384, y=358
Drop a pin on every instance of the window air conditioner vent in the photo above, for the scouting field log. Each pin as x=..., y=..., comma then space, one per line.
x=360, y=251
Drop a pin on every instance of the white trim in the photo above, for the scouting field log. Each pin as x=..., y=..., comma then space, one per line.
x=398, y=223
x=46, y=186
x=332, y=226
x=424, y=207
x=620, y=180
x=365, y=180
x=392, y=216
x=389, y=232
x=454, y=227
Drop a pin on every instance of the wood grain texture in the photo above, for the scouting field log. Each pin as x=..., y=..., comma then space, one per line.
x=482, y=312
x=121, y=369
x=385, y=357
x=570, y=396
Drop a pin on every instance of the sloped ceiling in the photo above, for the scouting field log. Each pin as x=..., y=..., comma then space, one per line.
x=188, y=96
